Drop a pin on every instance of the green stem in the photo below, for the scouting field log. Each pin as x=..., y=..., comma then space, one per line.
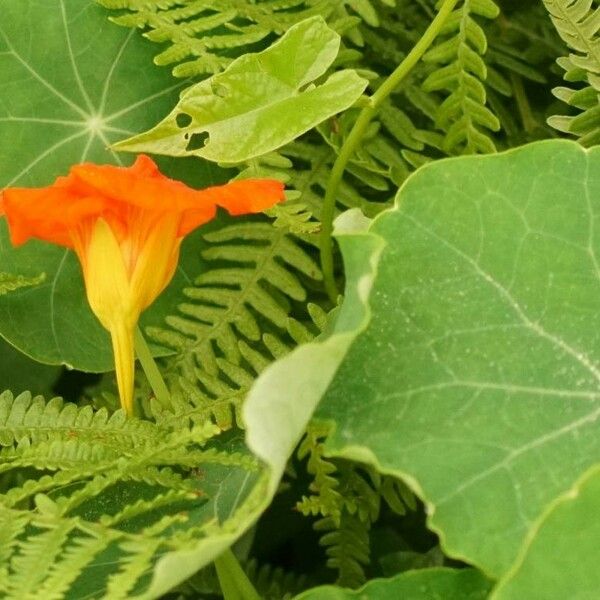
x=235, y=584
x=527, y=119
x=155, y=378
x=356, y=134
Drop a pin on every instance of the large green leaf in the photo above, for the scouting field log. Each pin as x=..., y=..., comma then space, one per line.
x=560, y=557
x=259, y=103
x=19, y=373
x=72, y=83
x=424, y=584
x=478, y=379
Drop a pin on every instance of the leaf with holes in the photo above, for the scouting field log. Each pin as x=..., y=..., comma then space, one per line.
x=259, y=103
x=63, y=102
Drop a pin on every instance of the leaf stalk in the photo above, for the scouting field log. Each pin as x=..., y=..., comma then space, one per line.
x=356, y=135
x=235, y=584
x=155, y=378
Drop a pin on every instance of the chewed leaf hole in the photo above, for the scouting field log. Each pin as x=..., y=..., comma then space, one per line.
x=220, y=90
x=183, y=120
x=197, y=141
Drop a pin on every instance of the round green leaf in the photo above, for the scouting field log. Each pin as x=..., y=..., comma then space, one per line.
x=19, y=373
x=471, y=372
x=73, y=83
x=478, y=379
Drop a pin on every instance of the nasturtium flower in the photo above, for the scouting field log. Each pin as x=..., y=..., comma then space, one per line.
x=126, y=227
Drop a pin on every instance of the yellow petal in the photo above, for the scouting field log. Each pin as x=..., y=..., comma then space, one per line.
x=110, y=296
x=123, y=349
x=106, y=282
x=155, y=262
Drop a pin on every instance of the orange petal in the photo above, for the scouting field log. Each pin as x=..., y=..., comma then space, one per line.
x=191, y=219
x=247, y=195
x=46, y=213
x=140, y=185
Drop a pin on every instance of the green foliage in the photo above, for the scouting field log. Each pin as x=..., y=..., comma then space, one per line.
x=472, y=363
x=578, y=25
x=64, y=101
x=238, y=315
x=206, y=36
x=274, y=583
x=259, y=103
x=468, y=320
x=460, y=70
x=104, y=496
x=425, y=584
x=556, y=560
x=347, y=497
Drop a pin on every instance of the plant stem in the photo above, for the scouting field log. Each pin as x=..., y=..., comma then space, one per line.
x=527, y=119
x=155, y=378
x=356, y=134
x=235, y=584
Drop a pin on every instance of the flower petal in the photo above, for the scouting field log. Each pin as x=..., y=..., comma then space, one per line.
x=247, y=195
x=47, y=213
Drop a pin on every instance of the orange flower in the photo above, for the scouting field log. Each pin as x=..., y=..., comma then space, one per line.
x=126, y=226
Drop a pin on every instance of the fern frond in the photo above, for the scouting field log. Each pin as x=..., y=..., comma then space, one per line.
x=104, y=506
x=12, y=527
x=219, y=397
x=139, y=555
x=260, y=272
x=461, y=71
x=204, y=36
x=273, y=583
x=35, y=557
x=578, y=24
x=79, y=552
x=32, y=419
x=347, y=547
x=348, y=497
x=326, y=499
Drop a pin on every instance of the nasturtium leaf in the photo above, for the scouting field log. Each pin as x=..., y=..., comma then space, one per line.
x=560, y=556
x=259, y=103
x=478, y=379
x=72, y=83
x=19, y=373
x=424, y=584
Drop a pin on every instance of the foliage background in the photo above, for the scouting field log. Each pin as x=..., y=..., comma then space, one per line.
x=456, y=386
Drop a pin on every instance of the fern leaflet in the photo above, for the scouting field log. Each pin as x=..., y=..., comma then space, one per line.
x=461, y=71
x=204, y=36
x=107, y=495
x=578, y=24
x=347, y=496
